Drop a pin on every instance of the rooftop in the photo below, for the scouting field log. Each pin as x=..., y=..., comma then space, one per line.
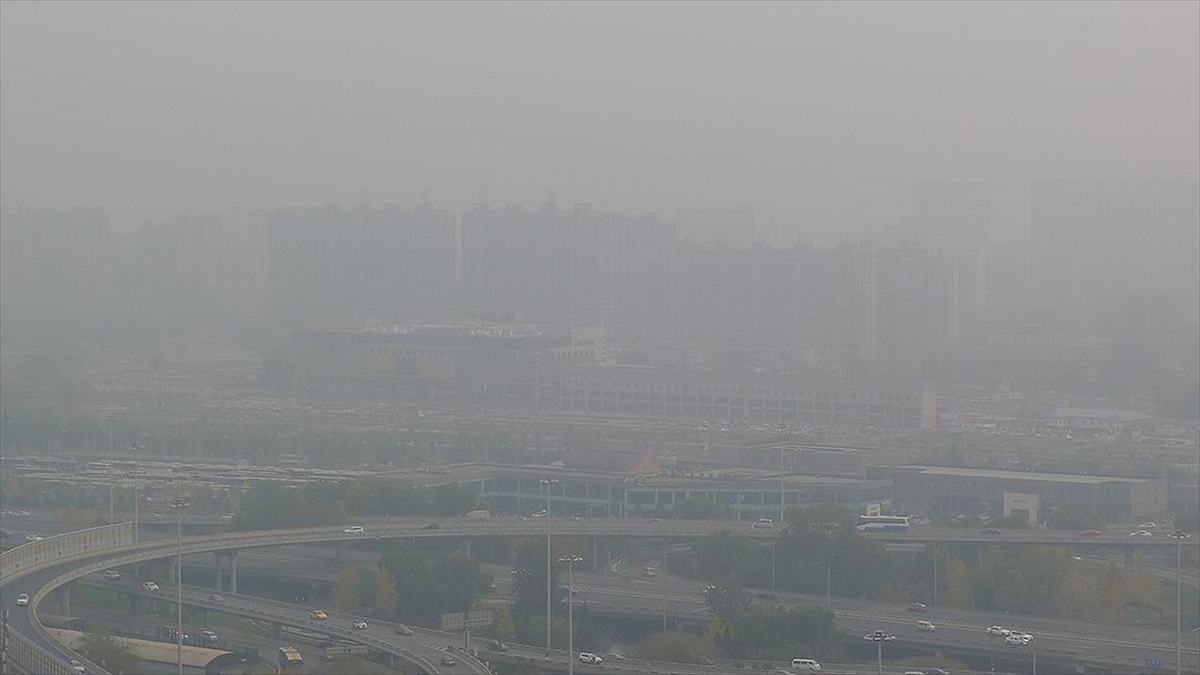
x=1096, y=414
x=1021, y=475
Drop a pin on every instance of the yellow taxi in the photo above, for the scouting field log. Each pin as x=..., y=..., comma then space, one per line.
x=318, y=614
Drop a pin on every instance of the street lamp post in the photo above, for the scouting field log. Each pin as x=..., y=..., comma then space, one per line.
x=1033, y=650
x=112, y=509
x=828, y=560
x=133, y=447
x=879, y=637
x=782, y=429
x=179, y=505
x=547, y=482
x=1179, y=536
x=935, y=571
x=570, y=559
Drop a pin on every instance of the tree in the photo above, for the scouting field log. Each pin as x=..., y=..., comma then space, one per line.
x=956, y=589
x=726, y=600
x=100, y=647
x=345, y=596
x=673, y=646
x=385, y=595
x=529, y=582
x=505, y=630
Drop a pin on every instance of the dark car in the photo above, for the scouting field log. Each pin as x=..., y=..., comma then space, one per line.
x=990, y=531
x=431, y=526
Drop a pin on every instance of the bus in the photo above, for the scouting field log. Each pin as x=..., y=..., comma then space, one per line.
x=290, y=659
x=883, y=523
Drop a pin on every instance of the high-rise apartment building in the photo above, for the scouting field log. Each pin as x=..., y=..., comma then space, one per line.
x=1101, y=240
x=51, y=261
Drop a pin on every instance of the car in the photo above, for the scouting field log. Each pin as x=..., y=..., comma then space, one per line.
x=449, y=661
x=989, y=532
x=926, y=626
x=913, y=672
x=22, y=600
x=1148, y=526
x=997, y=630
x=318, y=614
x=1141, y=533
x=77, y=666
x=538, y=514
x=110, y=575
x=806, y=664
x=917, y=607
x=149, y=586
x=1089, y=533
x=353, y=529
x=208, y=637
x=765, y=595
x=497, y=646
x=227, y=516
x=431, y=526
x=403, y=630
x=33, y=537
x=215, y=598
x=588, y=657
x=763, y=524
x=359, y=624
x=936, y=671
x=1014, y=639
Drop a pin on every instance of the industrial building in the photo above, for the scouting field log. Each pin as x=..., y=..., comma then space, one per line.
x=951, y=490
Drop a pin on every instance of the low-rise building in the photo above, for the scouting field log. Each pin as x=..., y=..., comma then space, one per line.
x=952, y=490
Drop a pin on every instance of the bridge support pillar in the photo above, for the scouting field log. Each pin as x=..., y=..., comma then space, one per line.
x=467, y=546
x=233, y=571
x=64, y=600
x=137, y=606
x=1128, y=558
x=337, y=551
x=217, y=556
x=979, y=553
x=595, y=553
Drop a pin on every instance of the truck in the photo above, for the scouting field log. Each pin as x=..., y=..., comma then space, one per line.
x=343, y=650
x=479, y=514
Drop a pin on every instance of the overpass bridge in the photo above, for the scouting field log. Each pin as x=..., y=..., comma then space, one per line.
x=55, y=562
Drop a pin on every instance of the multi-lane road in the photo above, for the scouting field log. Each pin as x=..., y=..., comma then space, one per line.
x=1111, y=638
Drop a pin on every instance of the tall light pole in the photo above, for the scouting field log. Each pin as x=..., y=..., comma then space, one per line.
x=179, y=505
x=879, y=637
x=1179, y=536
x=547, y=482
x=133, y=447
x=935, y=571
x=112, y=509
x=828, y=560
x=782, y=429
x=570, y=559
x=1033, y=650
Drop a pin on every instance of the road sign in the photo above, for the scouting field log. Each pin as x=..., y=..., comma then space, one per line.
x=474, y=619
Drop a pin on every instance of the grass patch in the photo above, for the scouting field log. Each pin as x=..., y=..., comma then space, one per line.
x=99, y=598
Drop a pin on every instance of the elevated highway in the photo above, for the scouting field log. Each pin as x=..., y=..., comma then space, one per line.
x=43, y=566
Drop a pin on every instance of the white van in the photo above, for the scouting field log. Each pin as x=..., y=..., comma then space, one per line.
x=805, y=664
x=926, y=626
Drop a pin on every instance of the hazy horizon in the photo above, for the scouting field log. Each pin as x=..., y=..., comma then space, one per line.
x=819, y=115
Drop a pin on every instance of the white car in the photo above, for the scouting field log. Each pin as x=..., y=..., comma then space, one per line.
x=997, y=630
x=1016, y=638
x=354, y=529
x=359, y=624
x=33, y=537
x=1141, y=533
x=149, y=586
x=77, y=666
x=926, y=626
x=1148, y=526
x=588, y=657
x=22, y=600
x=763, y=524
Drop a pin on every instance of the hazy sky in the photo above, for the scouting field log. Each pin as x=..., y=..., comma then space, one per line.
x=821, y=114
